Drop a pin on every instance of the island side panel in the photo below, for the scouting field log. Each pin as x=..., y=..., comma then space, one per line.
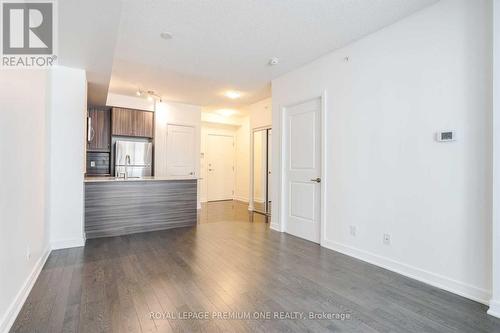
x=120, y=208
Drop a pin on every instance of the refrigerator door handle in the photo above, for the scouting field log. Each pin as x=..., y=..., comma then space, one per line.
x=90, y=130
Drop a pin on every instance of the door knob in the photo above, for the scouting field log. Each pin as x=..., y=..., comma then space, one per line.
x=317, y=180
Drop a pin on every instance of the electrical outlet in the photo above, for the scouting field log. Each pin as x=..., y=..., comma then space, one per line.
x=28, y=253
x=352, y=230
x=387, y=239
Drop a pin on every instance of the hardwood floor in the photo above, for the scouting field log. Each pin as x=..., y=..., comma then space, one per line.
x=230, y=266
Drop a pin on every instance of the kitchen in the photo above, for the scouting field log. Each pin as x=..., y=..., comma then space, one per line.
x=123, y=194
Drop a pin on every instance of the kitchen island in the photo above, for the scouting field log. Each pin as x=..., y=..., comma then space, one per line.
x=117, y=206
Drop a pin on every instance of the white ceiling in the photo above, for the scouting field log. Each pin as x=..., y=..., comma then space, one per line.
x=87, y=37
x=225, y=44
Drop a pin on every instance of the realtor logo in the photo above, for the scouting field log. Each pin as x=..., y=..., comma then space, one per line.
x=27, y=29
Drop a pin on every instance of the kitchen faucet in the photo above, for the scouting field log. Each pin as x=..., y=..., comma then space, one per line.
x=127, y=163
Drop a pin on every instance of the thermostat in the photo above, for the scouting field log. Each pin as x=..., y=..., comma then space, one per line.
x=446, y=136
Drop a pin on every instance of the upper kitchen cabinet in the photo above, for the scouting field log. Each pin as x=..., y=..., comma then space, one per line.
x=98, y=130
x=127, y=122
x=143, y=121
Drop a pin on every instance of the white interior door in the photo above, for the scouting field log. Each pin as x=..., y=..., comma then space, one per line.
x=220, y=167
x=303, y=170
x=181, y=154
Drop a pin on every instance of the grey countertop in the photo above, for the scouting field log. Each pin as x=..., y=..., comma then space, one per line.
x=97, y=179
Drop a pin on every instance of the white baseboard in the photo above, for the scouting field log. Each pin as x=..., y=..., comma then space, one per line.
x=494, y=309
x=68, y=243
x=275, y=227
x=457, y=287
x=242, y=199
x=22, y=295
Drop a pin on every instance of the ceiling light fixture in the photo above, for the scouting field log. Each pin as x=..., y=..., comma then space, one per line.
x=150, y=95
x=232, y=94
x=273, y=61
x=166, y=35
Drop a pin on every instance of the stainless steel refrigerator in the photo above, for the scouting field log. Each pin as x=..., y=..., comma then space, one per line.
x=133, y=159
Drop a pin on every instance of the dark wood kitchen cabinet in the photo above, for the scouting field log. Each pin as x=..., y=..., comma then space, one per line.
x=97, y=164
x=98, y=130
x=127, y=122
x=143, y=121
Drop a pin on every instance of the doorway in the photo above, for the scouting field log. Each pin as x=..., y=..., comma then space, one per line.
x=220, y=167
x=302, y=169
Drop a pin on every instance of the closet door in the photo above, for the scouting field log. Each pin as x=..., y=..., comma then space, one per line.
x=181, y=154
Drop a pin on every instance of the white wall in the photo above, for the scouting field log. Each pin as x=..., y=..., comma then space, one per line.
x=210, y=117
x=495, y=298
x=68, y=104
x=23, y=222
x=242, y=185
x=260, y=113
x=385, y=172
x=41, y=197
x=131, y=102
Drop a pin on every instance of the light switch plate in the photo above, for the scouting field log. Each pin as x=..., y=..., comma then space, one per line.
x=386, y=239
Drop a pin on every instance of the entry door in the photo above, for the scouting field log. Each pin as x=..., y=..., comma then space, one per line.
x=181, y=154
x=303, y=170
x=220, y=170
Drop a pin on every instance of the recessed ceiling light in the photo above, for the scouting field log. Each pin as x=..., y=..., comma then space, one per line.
x=233, y=94
x=274, y=61
x=166, y=35
x=227, y=112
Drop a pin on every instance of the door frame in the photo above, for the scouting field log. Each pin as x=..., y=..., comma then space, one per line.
x=251, y=206
x=284, y=180
x=208, y=134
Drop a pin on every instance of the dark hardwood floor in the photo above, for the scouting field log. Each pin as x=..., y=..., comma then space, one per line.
x=230, y=266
